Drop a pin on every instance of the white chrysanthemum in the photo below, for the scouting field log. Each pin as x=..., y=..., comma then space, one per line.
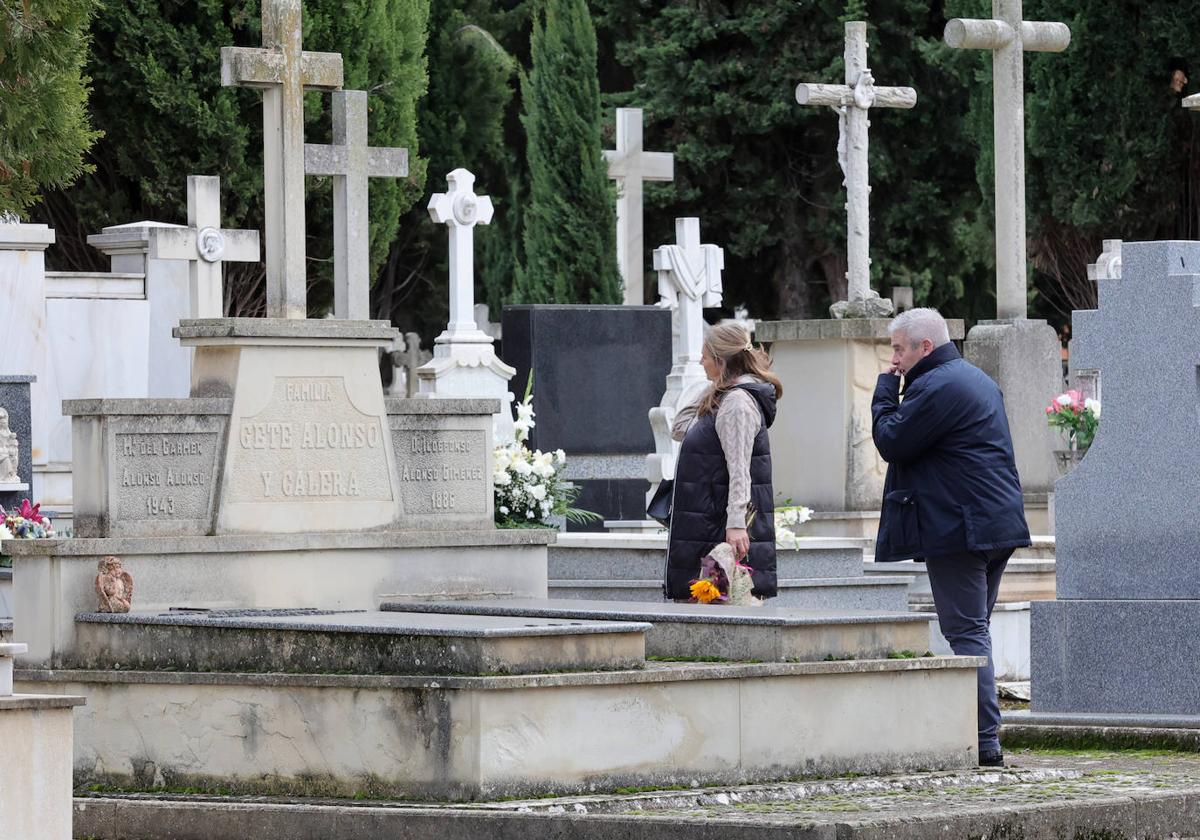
x=521, y=467
x=1063, y=399
x=537, y=491
x=560, y=456
x=504, y=509
x=502, y=479
x=1092, y=406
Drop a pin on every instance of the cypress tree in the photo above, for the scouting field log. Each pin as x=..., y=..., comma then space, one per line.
x=570, y=220
x=44, y=129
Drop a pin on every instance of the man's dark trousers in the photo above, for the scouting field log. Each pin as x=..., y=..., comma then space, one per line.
x=965, y=587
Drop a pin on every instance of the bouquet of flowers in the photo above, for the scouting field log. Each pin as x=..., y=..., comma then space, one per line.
x=788, y=520
x=723, y=580
x=25, y=523
x=529, y=487
x=1075, y=417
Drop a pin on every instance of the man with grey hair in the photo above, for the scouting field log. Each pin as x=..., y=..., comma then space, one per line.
x=952, y=496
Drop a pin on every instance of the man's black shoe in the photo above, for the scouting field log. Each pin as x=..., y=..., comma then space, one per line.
x=991, y=759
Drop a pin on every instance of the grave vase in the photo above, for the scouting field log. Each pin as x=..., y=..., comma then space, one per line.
x=1068, y=459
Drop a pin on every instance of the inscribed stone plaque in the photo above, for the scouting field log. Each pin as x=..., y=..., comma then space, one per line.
x=162, y=474
x=308, y=443
x=444, y=469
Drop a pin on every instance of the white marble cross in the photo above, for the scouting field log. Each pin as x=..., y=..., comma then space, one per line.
x=629, y=166
x=460, y=210
x=205, y=245
x=352, y=162
x=1009, y=37
x=689, y=277
x=283, y=71
x=852, y=101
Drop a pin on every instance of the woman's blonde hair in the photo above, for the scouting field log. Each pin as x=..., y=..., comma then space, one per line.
x=730, y=345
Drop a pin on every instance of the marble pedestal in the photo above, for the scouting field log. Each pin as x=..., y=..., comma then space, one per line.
x=824, y=456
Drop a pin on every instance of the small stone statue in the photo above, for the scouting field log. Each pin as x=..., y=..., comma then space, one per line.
x=9, y=452
x=114, y=586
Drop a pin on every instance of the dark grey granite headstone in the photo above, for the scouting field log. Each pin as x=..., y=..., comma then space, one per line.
x=1122, y=635
x=597, y=372
x=14, y=398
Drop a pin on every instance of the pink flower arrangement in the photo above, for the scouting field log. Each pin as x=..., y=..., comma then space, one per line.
x=1076, y=417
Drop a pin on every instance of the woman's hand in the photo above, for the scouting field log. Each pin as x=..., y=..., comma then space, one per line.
x=739, y=541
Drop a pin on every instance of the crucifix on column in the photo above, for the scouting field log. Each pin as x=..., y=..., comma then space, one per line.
x=852, y=101
x=351, y=162
x=205, y=245
x=1009, y=37
x=689, y=278
x=629, y=165
x=283, y=70
x=460, y=210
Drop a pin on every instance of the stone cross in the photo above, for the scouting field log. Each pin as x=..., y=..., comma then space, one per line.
x=689, y=277
x=205, y=245
x=629, y=166
x=460, y=210
x=1108, y=265
x=351, y=162
x=1008, y=37
x=852, y=101
x=283, y=71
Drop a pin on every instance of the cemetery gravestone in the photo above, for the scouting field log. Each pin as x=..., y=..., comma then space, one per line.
x=16, y=438
x=1127, y=545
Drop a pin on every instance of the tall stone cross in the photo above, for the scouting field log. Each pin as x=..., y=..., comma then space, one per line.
x=460, y=210
x=1009, y=37
x=205, y=245
x=852, y=101
x=283, y=70
x=629, y=166
x=689, y=277
x=351, y=162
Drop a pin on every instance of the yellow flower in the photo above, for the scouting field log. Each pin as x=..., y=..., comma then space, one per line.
x=704, y=591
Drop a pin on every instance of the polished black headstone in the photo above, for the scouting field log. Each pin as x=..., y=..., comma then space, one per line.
x=14, y=398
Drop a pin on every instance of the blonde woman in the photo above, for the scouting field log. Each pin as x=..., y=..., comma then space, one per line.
x=724, y=466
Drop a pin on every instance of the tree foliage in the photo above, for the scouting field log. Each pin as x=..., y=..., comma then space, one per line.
x=44, y=127
x=569, y=220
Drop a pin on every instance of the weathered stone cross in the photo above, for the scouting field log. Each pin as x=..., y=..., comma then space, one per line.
x=284, y=71
x=1008, y=37
x=629, y=165
x=852, y=101
x=204, y=245
x=351, y=162
x=460, y=210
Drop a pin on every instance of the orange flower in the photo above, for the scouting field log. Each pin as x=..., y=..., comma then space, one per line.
x=704, y=591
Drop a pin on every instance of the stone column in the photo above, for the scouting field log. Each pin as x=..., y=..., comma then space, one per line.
x=37, y=732
x=167, y=295
x=25, y=348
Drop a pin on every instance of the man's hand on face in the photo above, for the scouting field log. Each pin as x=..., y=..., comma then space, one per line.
x=894, y=370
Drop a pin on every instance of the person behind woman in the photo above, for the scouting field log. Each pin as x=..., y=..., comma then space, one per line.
x=724, y=465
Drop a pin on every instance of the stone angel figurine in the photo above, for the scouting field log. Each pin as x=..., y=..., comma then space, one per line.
x=114, y=586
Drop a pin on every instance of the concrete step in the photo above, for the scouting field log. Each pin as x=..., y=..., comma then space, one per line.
x=641, y=557
x=684, y=631
x=888, y=593
x=493, y=737
x=1023, y=580
x=361, y=642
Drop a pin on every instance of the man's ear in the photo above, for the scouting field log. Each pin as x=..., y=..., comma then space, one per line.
x=926, y=346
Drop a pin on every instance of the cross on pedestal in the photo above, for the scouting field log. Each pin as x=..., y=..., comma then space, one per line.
x=460, y=210
x=205, y=245
x=1009, y=37
x=629, y=166
x=351, y=162
x=284, y=71
x=689, y=277
x=852, y=101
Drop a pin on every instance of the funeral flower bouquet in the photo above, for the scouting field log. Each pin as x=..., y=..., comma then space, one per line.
x=529, y=485
x=723, y=580
x=24, y=523
x=1075, y=417
x=788, y=520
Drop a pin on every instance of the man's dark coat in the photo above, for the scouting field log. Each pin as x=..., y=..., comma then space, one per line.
x=952, y=483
